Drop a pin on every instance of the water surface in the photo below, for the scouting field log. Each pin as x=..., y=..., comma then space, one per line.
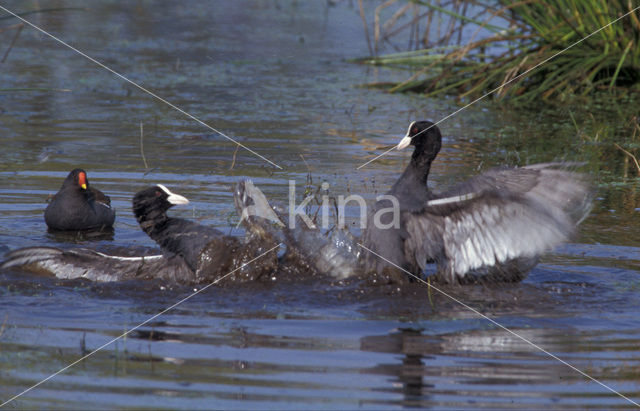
x=274, y=76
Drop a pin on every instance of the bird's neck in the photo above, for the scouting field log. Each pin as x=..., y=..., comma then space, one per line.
x=85, y=195
x=417, y=172
x=152, y=223
x=411, y=188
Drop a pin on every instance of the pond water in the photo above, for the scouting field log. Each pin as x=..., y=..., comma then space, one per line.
x=274, y=76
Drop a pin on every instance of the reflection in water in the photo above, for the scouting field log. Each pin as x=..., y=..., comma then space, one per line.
x=274, y=347
x=450, y=368
x=409, y=374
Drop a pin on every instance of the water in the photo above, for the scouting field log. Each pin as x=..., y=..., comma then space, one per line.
x=273, y=75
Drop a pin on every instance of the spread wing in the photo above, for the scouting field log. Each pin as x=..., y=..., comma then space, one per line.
x=497, y=218
x=94, y=265
x=552, y=184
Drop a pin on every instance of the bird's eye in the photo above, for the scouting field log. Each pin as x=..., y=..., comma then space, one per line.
x=414, y=130
x=158, y=193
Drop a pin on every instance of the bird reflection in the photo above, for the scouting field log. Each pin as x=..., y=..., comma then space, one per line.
x=408, y=375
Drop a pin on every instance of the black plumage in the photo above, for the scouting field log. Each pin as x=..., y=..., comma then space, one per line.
x=175, y=236
x=78, y=206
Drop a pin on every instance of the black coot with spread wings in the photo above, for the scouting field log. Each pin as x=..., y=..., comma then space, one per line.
x=493, y=226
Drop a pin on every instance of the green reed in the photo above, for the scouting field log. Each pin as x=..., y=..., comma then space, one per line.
x=531, y=53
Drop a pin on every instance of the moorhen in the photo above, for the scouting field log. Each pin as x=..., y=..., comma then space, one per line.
x=78, y=206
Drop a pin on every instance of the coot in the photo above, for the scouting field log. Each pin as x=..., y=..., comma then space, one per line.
x=78, y=206
x=176, y=236
x=491, y=227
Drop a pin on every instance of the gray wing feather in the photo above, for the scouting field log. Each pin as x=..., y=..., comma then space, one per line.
x=479, y=239
x=553, y=184
x=93, y=265
x=488, y=231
